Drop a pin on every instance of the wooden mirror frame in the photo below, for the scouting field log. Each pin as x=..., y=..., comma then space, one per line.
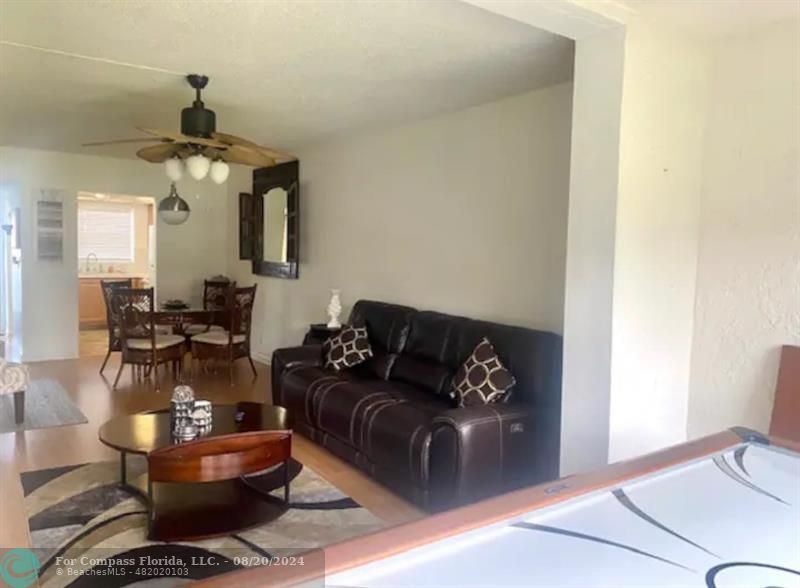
x=251, y=220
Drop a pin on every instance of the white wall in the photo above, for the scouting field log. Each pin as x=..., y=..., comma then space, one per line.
x=626, y=362
x=186, y=254
x=748, y=280
x=664, y=107
x=590, y=252
x=663, y=253
x=464, y=213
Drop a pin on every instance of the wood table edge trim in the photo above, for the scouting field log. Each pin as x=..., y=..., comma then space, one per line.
x=393, y=540
x=785, y=443
x=785, y=419
x=163, y=411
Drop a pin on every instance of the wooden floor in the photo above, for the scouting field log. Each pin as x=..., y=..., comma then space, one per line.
x=92, y=342
x=60, y=446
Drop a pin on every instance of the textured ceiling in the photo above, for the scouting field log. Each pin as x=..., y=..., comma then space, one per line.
x=283, y=73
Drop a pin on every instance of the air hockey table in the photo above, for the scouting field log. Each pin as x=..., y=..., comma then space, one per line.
x=719, y=512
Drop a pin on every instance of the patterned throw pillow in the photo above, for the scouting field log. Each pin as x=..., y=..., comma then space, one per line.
x=347, y=349
x=482, y=378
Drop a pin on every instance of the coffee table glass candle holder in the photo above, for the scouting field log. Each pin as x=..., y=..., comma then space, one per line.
x=181, y=407
x=201, y=415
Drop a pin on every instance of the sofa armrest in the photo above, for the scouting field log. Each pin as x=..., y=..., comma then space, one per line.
x=479, y=451
x=282, y=359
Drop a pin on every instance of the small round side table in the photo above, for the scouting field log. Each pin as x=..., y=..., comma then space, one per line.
x=318, y=333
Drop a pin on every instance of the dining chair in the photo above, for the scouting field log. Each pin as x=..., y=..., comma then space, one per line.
x=114, y=341
x=215, y=297
x=141, y=343
x=234, y=343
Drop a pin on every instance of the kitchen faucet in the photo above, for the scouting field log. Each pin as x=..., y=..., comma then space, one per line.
x=88, y=267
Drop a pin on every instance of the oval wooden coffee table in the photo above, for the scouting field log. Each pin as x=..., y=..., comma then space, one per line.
x=209, y=491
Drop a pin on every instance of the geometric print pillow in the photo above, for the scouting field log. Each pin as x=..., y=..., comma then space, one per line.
x=347, y=349
x=482, y=378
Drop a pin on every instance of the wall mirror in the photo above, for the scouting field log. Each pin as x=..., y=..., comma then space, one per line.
x=269, y=223
x=276, y=220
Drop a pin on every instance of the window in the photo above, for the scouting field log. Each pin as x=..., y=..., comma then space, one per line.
x=106, y=231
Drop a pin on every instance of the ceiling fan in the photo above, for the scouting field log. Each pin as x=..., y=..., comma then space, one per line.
x=198, y=147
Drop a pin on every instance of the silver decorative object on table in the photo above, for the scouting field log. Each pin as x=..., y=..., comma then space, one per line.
x=201, y=415
x=181, y=407
x=185, y=432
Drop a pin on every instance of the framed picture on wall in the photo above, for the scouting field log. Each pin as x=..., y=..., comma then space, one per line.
x=50, y=230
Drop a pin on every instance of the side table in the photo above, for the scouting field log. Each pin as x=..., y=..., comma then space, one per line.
x=318, y=333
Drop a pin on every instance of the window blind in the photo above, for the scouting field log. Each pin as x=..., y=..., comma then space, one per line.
x=106, y=232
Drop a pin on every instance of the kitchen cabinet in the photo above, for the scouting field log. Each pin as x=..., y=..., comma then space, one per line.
x=91, y=306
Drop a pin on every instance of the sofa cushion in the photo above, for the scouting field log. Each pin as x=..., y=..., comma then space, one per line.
x=300, y=383
x=398, y=436
x=388, y=422
x=482, y=378
x=533, y=357
x=347, y=349
x=422, y=373
x=387, y=327
x=387, y=324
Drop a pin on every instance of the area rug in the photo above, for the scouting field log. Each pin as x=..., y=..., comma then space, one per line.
x=80, y=516
x=47, y=404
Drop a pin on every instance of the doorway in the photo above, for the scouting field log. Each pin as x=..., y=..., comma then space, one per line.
x=10, y=273
x=116, y=242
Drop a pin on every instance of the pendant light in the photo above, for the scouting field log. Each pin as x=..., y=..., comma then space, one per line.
x=173, y=209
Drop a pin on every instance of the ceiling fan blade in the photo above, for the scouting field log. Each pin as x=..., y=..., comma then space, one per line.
x=117, y=141
x=159, y=153
x=234, y=140
x=247, y=156
x=181, y=138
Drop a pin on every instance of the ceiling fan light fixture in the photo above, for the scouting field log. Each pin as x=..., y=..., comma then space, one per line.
x=174, y=167
x=199, y=139
x=198, y=165
x=173, y=209
x=219, y=171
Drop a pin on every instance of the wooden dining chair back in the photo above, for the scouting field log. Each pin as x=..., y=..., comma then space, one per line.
x=142, y=345
x=134, y=310
x=234, y=343
x=215, y=294
x=215, y=297
x=241, y=311
x=114, y=341
x=216, y=459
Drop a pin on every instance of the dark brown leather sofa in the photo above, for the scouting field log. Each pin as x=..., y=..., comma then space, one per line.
x=393, y=418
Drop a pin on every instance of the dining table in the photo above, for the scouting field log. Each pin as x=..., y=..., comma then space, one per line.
x=179, y=318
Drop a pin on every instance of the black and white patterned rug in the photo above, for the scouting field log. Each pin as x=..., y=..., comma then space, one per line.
x=79, y=515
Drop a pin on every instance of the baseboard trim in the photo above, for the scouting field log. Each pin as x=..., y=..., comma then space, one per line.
x=261, y=357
